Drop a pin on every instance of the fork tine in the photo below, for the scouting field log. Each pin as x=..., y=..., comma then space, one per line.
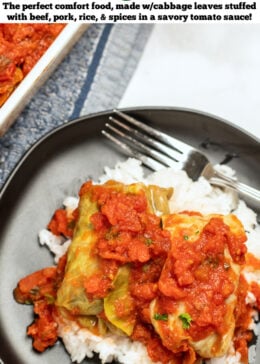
x=137, y=144
x=179, y=145
x=149, y=162
x=167, y=150
x=166, y=161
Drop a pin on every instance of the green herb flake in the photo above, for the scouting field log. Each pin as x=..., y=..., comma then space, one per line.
x=160, y=316
x=50, y=299
x=34, y=291
x=111, y=235
x=90, y=226
x=145, y=268
x=148, y=241
x=186, y=237
x=186, y=320
x=197, y=232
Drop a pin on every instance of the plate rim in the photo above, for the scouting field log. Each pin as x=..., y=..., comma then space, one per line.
x=88, y=117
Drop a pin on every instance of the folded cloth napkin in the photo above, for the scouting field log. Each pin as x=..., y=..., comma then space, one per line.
x=91, y=78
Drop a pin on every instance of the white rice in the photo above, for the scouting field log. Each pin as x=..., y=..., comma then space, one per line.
x=188, y=195
x=80, y=343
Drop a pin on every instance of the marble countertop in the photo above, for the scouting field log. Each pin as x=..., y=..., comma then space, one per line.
x=211, y=68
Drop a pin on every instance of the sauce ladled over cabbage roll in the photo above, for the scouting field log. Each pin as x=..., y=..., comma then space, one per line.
x=199, y=281
x=109, y=232
x=133, y=269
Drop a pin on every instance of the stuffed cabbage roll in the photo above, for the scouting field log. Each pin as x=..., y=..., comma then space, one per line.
x=198, y=284
x=107, y=235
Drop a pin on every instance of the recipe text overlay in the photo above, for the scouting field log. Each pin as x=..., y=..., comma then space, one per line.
x=129, y=11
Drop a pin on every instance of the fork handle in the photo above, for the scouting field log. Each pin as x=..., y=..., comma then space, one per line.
x=220, y=179
x=250, y=194
x=251, y=191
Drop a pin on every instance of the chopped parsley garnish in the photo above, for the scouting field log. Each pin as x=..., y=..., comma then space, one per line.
x=50, y=299
x=90, y=226
x=110, y=235
x=145, y=268
x=161, y=316
x=148, y=241
x=34, y=291
x=186, y=320
x=186, y=237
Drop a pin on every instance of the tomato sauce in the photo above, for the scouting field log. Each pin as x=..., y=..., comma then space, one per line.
x=21, y=46
x=127, y=233
x=186, y=275
x=252, y=261
x=168, y=269
x=44, y=330
x=243, y=314
x=40, y=289
x=63, y=222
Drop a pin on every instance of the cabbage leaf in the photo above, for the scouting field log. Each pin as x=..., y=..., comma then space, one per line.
x=81, y=264
x=120, y=299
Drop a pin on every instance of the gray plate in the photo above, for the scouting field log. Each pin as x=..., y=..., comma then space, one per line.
x=55, y=167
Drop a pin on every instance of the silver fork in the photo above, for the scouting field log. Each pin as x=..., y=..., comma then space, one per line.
x=156, y=150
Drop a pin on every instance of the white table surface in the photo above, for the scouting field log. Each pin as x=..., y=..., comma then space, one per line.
x=214, y=68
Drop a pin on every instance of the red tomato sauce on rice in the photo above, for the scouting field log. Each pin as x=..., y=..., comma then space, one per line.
x=128, y=234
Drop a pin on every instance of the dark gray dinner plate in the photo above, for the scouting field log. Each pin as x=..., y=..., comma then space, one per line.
x=55, y=167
